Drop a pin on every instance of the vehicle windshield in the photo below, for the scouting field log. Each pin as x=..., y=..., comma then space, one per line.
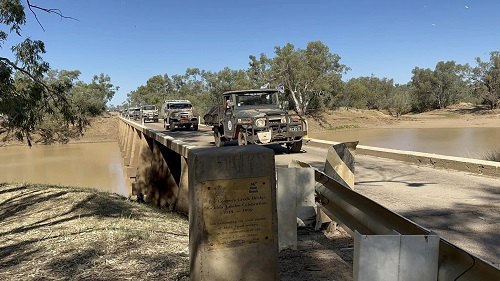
x=257, y=99
x=149, y=107
x=180, y=106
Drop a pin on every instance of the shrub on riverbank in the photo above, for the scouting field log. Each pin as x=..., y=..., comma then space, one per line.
x=60, y=233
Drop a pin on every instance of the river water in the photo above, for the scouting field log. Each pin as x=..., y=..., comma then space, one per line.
x=95, y=165
x=100, y=165
x=461, y=142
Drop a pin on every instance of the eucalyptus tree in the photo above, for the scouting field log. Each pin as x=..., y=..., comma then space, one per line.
x=91, y=98
x=25, y=98
x=487, y=80
x=157, y=89
x=421, y=89
x=366, y=92
x=307, y=74
x=399, y=100
x=353, y=94
x=259, y=72
x=448, y=83
x=379, y=91
x=438, y=88
x=225, y=80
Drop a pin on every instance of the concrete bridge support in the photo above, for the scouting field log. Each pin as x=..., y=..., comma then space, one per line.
x=148, y=169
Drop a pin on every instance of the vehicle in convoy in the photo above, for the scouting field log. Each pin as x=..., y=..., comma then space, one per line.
x=149, y=113
x=178, y=114
x=255, y=117
x=134, y=113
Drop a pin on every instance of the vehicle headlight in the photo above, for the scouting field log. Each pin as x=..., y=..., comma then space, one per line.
x=283, y=119
x=260, y=122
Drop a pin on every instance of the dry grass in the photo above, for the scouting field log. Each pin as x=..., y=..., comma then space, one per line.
x=62, y=233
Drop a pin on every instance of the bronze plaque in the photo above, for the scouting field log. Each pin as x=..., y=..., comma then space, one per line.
x=237, y=212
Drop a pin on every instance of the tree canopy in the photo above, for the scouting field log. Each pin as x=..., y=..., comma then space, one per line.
x=33, y=98
x=487, y=80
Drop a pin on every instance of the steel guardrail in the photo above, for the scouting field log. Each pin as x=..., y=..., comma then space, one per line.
x=357, y=212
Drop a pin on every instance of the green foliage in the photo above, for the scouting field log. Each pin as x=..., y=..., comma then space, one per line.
x=366, y=92
x=421, y=83
x=35, y=100
x=91, y=98
x=354, y=95
x=398, y=101
x=308, y=75
x=259, y=72
x=486, y=76
x=312, y=83
x=438, y=88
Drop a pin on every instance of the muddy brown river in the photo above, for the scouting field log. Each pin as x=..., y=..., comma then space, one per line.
x=100, y=165
x=461, y=142
x=95, y=165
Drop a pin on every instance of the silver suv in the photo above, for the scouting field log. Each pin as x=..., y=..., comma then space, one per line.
x=149, y=113
x=178, y=114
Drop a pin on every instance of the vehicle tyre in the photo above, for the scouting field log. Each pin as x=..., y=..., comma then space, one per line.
x=172, y=126
x=195, y=127
x=165, y=125
x=294, y=147
x=188, y=126
x=155, y=120
x=218, y=139
x=242, y=138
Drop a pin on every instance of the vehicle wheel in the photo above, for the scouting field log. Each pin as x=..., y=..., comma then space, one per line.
x=217, y=139
x=242, y=138
x=155, y=120
x=195, y=127
x=294, y=147
x=172, y=126
x=165, y=125
x=188, y=126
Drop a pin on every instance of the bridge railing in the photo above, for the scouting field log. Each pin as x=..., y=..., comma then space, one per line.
x=157, y=165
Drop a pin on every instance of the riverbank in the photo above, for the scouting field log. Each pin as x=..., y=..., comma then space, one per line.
x=66, y=233
x=102, y=128
x=457, y=116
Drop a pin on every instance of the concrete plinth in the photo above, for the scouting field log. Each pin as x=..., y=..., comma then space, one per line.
x=295, y=201
x=232, y=214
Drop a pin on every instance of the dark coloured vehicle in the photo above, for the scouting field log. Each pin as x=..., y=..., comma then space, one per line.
x=134, y=113
x=255, y=117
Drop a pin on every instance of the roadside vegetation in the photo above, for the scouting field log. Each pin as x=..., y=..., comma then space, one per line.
x=61, y=233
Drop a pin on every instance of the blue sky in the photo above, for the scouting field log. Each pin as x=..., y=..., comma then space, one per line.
x=132, y=41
